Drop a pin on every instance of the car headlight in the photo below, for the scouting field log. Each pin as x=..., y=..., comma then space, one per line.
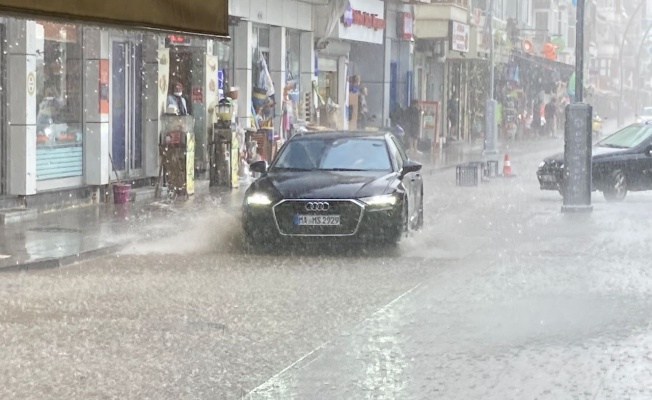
x=380, y=201
x=543, y=164
x=259, y=199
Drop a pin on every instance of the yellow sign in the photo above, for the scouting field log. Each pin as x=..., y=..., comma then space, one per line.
x=192, y=16
x=31, y=84
x=190, y=163
x=235, y=161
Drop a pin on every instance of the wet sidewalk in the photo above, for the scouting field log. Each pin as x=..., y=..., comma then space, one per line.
x=63, y=237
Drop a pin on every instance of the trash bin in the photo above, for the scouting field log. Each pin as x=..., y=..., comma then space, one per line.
x=492, y=168
x=177, y=145
x=468, y=175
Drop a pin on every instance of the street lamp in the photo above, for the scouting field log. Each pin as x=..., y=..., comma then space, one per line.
x=620, y=56
x=638, y=66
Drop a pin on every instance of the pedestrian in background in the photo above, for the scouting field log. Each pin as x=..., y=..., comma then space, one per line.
x=413, y=122
x=551, y=114
x=536, y=117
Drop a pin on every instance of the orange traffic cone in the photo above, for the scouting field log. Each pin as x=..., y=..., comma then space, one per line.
x=507, y=166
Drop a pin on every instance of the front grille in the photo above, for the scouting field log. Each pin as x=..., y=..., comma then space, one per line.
x=350, y=213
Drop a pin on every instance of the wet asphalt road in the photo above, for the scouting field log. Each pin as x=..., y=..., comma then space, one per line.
x=500, y=297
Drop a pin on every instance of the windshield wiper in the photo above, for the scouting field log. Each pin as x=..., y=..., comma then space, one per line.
x=613, y=146
x=294, y=169
x=343, y=169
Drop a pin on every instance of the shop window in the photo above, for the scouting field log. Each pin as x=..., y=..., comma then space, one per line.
x=293, y=59
x=226, y=68
x=59, y=151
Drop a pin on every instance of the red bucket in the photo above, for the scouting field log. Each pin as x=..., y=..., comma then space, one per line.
x=121, y=193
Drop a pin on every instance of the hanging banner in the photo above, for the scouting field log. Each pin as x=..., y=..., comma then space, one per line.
x=192, y=16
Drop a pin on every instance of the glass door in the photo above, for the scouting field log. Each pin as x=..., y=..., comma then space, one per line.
x=126, y=108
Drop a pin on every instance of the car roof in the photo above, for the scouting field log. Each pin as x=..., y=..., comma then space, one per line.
x=339, y=134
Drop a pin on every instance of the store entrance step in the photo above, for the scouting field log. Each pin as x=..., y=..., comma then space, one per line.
x=16, y=215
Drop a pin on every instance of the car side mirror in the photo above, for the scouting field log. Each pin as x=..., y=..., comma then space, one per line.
x=648, y=151
x=410, y=166
x=259, y=167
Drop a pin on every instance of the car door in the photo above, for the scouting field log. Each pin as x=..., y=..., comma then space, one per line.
x=646, y=166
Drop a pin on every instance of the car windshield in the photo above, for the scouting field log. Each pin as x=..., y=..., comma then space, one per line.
x=339, y=154
x=628, y=137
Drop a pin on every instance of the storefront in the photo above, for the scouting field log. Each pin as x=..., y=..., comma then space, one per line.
x=355, y=47
x=451, y=69
x=271, y=64
x=81, y=101
x=400, y=40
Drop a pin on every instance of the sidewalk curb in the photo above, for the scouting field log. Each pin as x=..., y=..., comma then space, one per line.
x=52, y=263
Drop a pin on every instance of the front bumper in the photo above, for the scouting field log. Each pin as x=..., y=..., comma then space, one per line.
x=272, y=225
x=549, y=179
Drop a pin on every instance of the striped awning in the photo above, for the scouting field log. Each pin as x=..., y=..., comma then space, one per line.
x=204, y=17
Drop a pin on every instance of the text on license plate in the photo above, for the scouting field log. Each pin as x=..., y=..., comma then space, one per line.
x=548, y=178
x=317, y=220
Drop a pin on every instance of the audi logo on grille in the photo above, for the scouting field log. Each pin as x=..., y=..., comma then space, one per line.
x=318, y=206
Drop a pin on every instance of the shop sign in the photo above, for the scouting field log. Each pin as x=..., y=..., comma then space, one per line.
x=459, y=37
x=177, y=40
x=193, y=16
x=362, y=21
x=357, y=17
x=406, y=25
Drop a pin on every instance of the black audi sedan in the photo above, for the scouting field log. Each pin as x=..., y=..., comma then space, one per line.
x=621, y=162
x=328, y=185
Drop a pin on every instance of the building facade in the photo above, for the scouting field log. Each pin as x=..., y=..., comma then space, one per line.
x=83, y=105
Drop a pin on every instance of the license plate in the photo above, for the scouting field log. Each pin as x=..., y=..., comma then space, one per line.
x=548, y=178
x=317, y=220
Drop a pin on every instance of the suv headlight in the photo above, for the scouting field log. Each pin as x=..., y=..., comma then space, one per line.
x=543, y=164
x=258, y=199
x=385, y=200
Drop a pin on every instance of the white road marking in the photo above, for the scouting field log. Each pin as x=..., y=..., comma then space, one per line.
x=274, y=379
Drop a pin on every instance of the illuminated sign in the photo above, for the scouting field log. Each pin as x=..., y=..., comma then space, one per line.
x=352, y=17
x=177, y=40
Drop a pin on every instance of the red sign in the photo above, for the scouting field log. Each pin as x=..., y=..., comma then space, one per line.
x=406, y=26
x=365, y=19
x=104, y=86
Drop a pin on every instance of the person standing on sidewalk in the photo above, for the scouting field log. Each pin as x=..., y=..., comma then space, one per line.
x=551, y=114
x=413, y=122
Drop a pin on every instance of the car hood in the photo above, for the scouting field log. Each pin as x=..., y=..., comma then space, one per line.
x=598, y=152
x=324, y=184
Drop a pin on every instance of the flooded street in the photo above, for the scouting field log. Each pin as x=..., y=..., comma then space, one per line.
x=500, y=296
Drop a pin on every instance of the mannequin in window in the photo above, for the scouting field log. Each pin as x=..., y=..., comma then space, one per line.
x=177, y=100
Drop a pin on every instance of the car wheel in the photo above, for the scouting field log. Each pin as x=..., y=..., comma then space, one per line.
x=616, y=186
x=395, y=238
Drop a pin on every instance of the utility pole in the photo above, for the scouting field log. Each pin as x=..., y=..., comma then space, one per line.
x=579, y=52
x=578, y=136
x=491, y=128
